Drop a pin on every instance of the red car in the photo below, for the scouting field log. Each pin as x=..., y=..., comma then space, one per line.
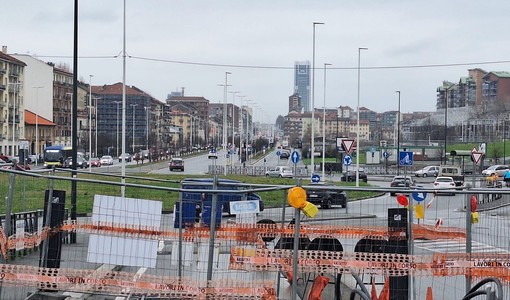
x=95, y=162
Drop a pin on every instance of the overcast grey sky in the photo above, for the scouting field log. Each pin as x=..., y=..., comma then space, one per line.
x=191, y=44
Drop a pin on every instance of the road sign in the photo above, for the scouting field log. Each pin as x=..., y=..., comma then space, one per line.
x=419, y=196
x=347, y=145
x=316, y=178
x=386, y=154
x=244, y=207
x=213, y=150
x=278, y=152
x=347, y=160
x=476, y=156
x=294, y=157
x=405, y=158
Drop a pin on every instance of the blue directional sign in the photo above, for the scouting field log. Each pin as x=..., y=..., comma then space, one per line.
x=316, y=178
x=213, y=150
x=405, y=158
x=278, y=152
x=419, y=196
x=294, y=157
x=347, y=160
x=386, y=154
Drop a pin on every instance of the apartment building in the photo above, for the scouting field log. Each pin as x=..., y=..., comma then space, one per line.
x=11, y=103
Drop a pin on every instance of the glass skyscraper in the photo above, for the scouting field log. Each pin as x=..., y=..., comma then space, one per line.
x=302, y=83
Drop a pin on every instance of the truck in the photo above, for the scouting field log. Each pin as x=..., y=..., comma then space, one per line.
x=453, y=172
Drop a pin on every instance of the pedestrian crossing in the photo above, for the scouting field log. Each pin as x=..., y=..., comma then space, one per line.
x=456, y=246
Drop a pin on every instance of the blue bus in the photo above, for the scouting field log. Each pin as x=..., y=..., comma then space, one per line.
x=54, y=156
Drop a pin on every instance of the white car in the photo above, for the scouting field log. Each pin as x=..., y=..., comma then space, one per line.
x=212, y=155
x=280, y=171
x=445, y=182
x=106, y=160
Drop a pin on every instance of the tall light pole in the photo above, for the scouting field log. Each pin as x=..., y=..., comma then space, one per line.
x=147, y=126
x=312, y=147
x=445, y=120
x=358, y=128
x=225, y=119
x=324, y=123
x=90, y=120
x=37, y=123
x=233, y=117
x=134, y=105
x=95, y=127
x=398, y=134
x=117, y=136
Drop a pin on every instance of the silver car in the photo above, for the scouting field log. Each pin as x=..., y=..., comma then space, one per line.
x=280, y=171
x=428, y=171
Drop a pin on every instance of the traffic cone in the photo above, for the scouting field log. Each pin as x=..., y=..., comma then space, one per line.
x=429, y=294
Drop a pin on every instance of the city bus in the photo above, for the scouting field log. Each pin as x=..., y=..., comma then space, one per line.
x=54, y=156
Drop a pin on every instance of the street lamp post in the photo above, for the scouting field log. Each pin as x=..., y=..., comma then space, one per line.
x=37, y=124
x=95, y=126
x=147, y=126
x=134, y=105
x=398, y=134
x=445, y=121
x=324, y=123
x=90, y=120
x=117, y=136
x=358, y=128
x=233, y=116
x=224, y=141
x=312, y=147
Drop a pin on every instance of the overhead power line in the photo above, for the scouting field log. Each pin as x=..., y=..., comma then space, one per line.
x=162, y=60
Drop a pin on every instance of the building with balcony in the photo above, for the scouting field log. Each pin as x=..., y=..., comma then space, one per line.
x=12, y=76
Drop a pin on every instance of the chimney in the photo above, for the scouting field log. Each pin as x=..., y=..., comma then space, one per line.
x=182, y=93
x=4, y=49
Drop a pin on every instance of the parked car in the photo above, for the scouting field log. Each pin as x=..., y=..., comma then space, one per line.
x=444, y=182
x=321, y=194
x=284, y=155
x=95, y=162
x=81, y=162
x=6, y=158
x=107, y=160
x=351, y=176
x=126, y=156
x=212, y=154
x=176, y=163
x=428, y=171
x=495, y=169
x=280, y=171
x=401, y=181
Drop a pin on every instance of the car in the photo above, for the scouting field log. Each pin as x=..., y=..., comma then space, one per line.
x=6, y=158
x=95, y=162
x=106, y=160
x=81, y=162
x=212, y=154
x=126, y=156
x=280, y=171
x=351, y=176
x=401, y=181
x=500, y=170
x=176, y=163
x=321, y=194
x=428, y=171
x=284, y=155
x=444, y=182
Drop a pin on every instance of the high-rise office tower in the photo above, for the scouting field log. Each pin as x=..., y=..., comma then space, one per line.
x=302, y=83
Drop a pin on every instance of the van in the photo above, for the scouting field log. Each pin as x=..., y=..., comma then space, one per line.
x=196, y=203
x=452, y=171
